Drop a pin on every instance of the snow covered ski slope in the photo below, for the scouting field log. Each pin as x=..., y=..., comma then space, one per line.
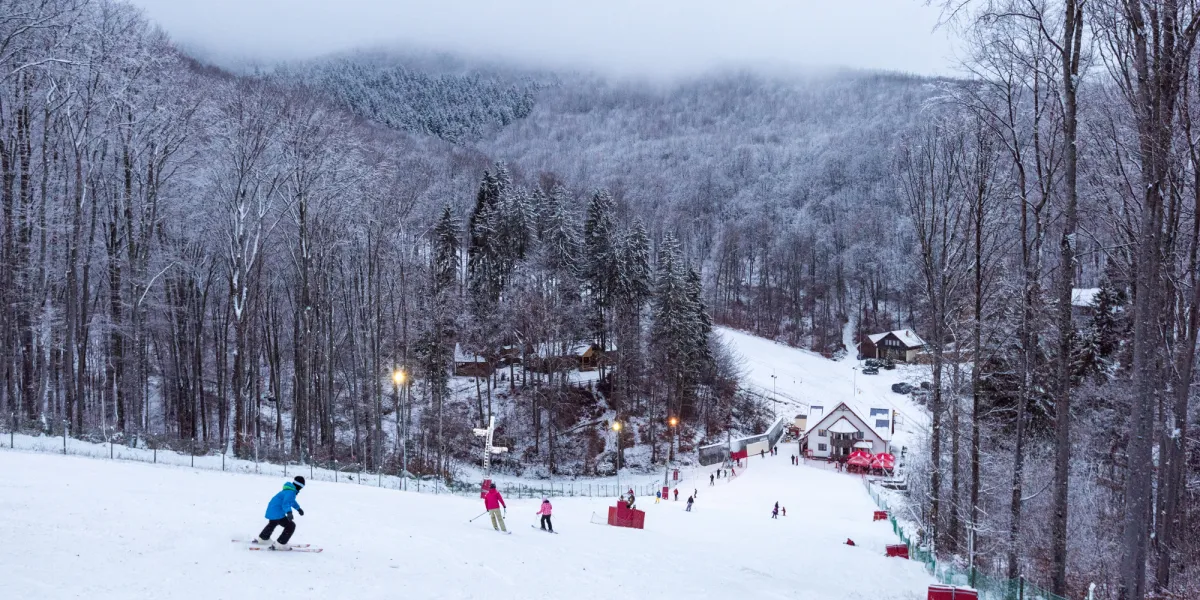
x=82, y=528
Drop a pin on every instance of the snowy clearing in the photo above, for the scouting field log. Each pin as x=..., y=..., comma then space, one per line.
x=123, y=530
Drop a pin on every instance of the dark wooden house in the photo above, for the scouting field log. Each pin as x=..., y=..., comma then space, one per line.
x=900, y=345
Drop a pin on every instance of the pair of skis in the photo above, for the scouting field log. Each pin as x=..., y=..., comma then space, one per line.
x=293, y=547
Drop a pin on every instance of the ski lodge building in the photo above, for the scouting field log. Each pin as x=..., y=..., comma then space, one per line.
x=902, y=345
x=838, y=433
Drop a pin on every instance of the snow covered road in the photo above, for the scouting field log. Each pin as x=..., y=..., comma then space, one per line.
x=74, y=527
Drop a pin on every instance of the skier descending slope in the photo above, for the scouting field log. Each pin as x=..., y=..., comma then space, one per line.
x=545, y=511
x=279, y=513
x=492, y=502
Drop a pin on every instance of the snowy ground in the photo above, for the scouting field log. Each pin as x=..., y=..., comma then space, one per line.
x=76, y=527
x=804, y=379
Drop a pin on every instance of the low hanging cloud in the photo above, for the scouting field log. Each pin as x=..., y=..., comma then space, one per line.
x=624, y=37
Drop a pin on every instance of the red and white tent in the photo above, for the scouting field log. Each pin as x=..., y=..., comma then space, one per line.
x=883, y=462
x=859, y=460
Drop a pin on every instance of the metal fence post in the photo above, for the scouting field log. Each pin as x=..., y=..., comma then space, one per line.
x=64, y=437
x=192, y=451
x=1021, y=587
x=222, y=461
x=156, y=455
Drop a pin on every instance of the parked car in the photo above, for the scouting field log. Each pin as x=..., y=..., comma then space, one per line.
x=870, y=370
x=889, y=364
x=925, y=385
x=874, y=362
x=901, y=388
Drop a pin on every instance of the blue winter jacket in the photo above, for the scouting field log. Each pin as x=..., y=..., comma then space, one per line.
x=283, y=502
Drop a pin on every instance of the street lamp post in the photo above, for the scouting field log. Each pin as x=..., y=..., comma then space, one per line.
x=774, y=396
x=398, y=378
x=616, y=427
x=670, y=450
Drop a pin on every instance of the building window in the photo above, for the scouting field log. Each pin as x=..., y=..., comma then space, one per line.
x=821, y=433
x=822, y=447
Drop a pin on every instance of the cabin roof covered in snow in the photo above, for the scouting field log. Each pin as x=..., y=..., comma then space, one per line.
x=842, y=426
x=907, y=336
x=845, y=417
x=463, y=357
x=1084, y=297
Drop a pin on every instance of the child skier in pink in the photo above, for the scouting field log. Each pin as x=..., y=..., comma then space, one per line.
x=544, y=511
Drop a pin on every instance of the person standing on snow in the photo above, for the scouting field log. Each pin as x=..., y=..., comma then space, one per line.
x=711, y=480
x=279, y=514
x=784, y=509
x=492, y=502
x=677, y=494
x=775, y=512
x=657, y=496
x=544, y=511
x=689, y=506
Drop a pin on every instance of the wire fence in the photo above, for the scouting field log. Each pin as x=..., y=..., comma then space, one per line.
x=989, y=587
x=199, y=457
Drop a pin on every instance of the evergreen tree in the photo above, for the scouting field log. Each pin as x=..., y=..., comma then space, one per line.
x=599, y=262
x=435, y=344
x=633, y=291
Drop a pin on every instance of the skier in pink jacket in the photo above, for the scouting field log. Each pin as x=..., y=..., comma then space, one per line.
x=544, y=511
x=493, y=501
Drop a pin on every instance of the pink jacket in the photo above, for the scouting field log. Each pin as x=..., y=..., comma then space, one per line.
x=493, y=500
x=545, y=509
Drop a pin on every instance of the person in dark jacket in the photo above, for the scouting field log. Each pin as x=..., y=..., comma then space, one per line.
x=689, y=506
x=279, y=514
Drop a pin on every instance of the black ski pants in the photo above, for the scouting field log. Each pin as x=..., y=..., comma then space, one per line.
x=546, y=524
x=289, y=527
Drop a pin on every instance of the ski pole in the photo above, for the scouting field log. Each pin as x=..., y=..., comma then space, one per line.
x=480, y=515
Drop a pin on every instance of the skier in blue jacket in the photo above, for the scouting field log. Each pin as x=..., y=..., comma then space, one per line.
x=279, y=514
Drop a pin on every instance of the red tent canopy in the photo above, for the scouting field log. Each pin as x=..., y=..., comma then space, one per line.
x=859, y=458
x=883, y=461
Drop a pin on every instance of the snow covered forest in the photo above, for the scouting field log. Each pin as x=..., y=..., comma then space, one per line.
x=292, y=264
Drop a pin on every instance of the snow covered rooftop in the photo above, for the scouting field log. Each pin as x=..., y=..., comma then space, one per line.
x=463, y=357
x=1084, y=297
x=907, y=336
x=843, y=425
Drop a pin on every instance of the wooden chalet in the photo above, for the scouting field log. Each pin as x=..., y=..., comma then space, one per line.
x=901, y=345
x=467, y=364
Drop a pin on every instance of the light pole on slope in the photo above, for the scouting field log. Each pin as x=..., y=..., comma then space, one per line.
x=670, y=450
x=616, y=427
x=774, y=396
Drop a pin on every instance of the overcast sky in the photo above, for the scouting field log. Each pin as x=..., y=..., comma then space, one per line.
x=628, y=37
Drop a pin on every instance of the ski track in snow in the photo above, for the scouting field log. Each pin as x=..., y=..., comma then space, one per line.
x=76, y=527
